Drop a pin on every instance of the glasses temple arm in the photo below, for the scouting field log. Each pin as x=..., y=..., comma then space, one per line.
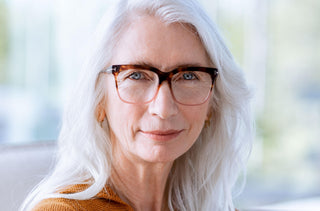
x=107, y=70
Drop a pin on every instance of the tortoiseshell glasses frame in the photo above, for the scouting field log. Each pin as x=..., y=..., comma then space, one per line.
x=164, y=76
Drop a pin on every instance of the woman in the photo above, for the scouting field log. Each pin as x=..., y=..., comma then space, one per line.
x=160, y=119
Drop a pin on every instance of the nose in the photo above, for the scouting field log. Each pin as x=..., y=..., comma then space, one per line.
x=163, y=105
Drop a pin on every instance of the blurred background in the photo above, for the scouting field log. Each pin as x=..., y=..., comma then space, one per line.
x=276, y=42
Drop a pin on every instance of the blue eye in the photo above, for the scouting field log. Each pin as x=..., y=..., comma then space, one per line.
x=189, y=76
x=135, y=76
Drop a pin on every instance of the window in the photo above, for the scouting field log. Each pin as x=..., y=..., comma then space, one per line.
x=42, y=44
x=277, y=44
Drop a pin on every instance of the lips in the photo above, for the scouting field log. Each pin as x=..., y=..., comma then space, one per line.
x=161, y=135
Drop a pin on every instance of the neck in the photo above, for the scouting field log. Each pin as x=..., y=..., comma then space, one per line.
x=141, y=184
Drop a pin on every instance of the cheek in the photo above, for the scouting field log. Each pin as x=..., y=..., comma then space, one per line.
x=113, y=107
x=197, y=116
x=122, y=117
x=116, y=115
x=120, y=128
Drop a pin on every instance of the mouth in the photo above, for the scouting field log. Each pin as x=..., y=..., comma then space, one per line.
x=161, y=135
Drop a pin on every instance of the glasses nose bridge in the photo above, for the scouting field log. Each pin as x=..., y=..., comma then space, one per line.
x=164, y=76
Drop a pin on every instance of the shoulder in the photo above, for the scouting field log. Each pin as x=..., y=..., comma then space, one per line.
x=56, y=204
x=52, y=204
x=106, y=200
x=62, y=204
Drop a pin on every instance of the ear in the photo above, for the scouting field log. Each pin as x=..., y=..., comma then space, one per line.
x=100, y=112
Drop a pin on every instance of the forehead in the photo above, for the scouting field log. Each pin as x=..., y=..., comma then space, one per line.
x=148, y=40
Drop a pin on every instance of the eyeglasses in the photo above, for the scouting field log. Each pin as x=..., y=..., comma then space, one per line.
x=139, y=84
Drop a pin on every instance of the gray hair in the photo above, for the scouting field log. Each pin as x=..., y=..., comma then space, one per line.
x=204, y=177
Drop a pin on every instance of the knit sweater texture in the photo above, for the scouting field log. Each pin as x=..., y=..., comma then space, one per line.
x=105, y=200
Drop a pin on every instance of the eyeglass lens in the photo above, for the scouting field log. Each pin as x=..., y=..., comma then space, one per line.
x=141, y=86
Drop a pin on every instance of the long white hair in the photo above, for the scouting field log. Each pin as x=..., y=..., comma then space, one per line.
x=204, y=177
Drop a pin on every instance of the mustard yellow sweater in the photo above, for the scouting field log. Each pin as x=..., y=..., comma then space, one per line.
x=106, y=200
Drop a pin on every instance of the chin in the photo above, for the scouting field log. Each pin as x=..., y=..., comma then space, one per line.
x=159, y=156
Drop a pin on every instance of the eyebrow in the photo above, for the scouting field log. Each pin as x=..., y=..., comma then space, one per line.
x=144, y=63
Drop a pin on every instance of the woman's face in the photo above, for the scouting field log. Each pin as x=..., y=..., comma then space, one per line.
x=162, y=130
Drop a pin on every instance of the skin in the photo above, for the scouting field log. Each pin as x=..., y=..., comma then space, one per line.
x=148, y=138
